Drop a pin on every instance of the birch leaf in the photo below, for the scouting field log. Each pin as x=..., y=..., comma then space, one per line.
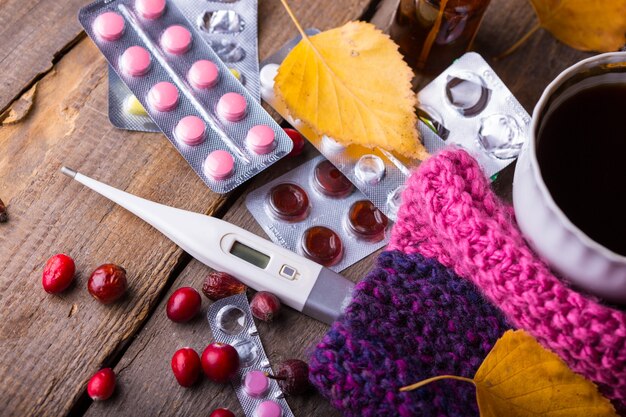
x=351, y=83
x=588, y=25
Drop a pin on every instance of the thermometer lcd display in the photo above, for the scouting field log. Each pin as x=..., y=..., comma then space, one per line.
x=250, y=255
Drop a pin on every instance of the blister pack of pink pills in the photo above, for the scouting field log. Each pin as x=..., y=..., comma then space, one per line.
x=231, y=322
x=315, y=210
x=467, y=105
x=211, y=119
x=230, y=28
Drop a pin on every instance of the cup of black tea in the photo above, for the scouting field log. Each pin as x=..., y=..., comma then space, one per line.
x=569, y=190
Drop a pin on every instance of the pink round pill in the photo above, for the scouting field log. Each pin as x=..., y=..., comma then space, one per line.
x=232, y=107
x=190, y=130
x=203, y=74
x=109, y=26
x=176, y=40
x=268, y=408
x=135, y=61
x=150, y=9
x=163, y=96
x=256, y=384
x=219, y=165
x=261, y=139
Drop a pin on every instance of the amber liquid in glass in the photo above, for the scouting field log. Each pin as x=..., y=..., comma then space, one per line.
x=458, y=24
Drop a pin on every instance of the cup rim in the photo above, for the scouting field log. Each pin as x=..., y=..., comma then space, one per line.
x=534, y=125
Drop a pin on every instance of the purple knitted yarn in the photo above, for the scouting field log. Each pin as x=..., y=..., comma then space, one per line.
x=410, y=319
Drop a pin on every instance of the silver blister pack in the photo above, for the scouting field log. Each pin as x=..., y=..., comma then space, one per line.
x=309, y=209
x=379, y=174
x=230, y=28
x=227, y=143
x=472, y=108
x=231, y=322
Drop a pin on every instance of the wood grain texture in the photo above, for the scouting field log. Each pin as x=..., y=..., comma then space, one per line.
x=50, y=345
x=33, y=32
x=147, y=360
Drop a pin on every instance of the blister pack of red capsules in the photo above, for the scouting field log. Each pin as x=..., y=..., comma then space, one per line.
x=211, y=119
x=315, y=210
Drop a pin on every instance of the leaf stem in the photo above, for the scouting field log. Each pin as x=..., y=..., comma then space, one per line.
x=295, y=21
x=432, y=35
x=520, y=42
x=433, y=379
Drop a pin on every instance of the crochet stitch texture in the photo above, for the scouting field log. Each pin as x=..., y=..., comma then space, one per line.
x=450, y=214
x=411, y=318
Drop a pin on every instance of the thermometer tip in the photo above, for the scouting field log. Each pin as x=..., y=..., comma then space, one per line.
x=68, y=171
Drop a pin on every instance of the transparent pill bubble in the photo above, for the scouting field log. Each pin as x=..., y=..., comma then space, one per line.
x=394, y=200
x=221, y=22
x=228, y=50
x=331, y=145
x=369, y=169
x=466, y=92
x=267, y=75
x=231, y=320
x=501, y=136
x=247, y=350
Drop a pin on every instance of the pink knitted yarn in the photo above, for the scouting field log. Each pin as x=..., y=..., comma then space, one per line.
x=450, y=213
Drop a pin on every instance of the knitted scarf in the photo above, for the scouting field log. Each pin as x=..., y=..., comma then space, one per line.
x=456, y=275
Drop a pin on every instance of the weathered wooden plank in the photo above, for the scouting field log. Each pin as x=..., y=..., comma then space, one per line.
x=147, y=386
x=50, y=345
x=33, y=33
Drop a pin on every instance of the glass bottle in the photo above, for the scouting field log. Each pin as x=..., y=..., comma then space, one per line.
x=433, y=33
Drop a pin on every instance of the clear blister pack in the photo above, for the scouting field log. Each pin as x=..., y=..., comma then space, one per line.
x=231, y=322
x=218, y=127
x=230, y=28
x=492, y=129
x=469, y=105
x=314, y=210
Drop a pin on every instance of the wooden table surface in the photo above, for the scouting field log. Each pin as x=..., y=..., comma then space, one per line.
x=53, y=110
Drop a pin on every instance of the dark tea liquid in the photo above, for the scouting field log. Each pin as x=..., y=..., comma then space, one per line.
x=582, y=158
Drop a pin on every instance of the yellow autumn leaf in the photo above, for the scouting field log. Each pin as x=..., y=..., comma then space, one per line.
x=588, y=25
x=351, y=83
x=519, y=378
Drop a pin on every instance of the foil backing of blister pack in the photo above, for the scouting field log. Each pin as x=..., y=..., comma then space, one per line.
x=438, y=123
x=230, y=28
x=120, y=117
x=220, y=134
x=324, y=211
x=231, y=322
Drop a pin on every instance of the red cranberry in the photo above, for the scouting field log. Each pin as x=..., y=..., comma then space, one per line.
x=322, y=245
x=183, y=304
x=218, y=285
x=289, y=202
x=220, y=362
x=58, y=273
x=265, y=306
x=186, y=366
x=101, y=385
x=222, y=412
x=298, y=141
x=107, y=283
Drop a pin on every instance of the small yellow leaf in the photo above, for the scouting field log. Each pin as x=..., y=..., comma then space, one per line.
x=351, y=83
x=521, y=378
x=588, y=25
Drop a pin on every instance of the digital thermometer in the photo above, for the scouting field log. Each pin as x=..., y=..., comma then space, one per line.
x=298, y=282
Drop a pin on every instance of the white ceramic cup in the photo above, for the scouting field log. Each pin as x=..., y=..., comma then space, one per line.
x=586, y=263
